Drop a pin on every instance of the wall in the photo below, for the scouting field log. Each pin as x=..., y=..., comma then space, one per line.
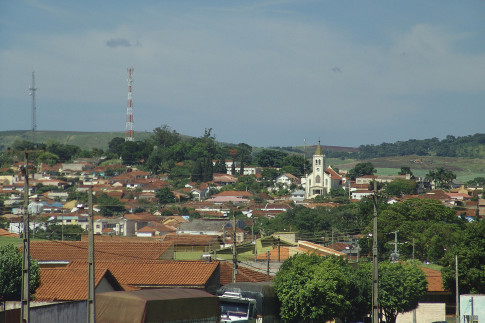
x=478, y=302
x=58, y=312
x=425, y=313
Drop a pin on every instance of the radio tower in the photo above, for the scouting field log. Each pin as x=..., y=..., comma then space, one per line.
x=129, y=132
x=32, y=90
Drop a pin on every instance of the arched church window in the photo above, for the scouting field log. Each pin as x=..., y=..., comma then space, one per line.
x=317, y=179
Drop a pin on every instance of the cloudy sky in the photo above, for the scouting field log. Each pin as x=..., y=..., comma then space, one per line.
x=267, y=73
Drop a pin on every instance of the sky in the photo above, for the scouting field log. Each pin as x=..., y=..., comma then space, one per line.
x=261, y=72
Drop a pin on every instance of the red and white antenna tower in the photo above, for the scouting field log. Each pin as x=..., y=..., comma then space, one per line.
x=129, y=132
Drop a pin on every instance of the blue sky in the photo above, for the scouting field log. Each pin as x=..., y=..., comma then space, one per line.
x=266, y=73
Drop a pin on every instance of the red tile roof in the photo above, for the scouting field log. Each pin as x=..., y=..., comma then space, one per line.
x=234, y=193
x=284, y=253
x=116, y=251
x=5, y=233
x=435, y=280
x=159, y=273
x=244, y=274
x=192, y=240
x=68, y=284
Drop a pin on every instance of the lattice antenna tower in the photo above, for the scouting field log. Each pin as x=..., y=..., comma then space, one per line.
x=32, y=90
x=129, y=132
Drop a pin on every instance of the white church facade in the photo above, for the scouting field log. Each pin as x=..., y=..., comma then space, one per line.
x=322, y=178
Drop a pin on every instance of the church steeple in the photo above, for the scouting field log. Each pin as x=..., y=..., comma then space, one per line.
x=318, y=152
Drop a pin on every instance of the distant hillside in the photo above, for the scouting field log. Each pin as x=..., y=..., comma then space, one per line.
x=85, y=140
x=330, y=151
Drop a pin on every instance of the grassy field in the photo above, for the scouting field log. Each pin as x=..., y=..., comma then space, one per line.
x=464, y=168
x=6, y=240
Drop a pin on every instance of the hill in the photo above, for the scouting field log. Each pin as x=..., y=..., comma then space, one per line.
x=85, y=140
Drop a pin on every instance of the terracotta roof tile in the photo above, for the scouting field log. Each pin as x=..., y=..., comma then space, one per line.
x=5, y=233
x=244, y=274
x=159, y=273
x=78, y=250
x=435, y=280
x=192, y=239
x=234, y=193
x=284, y=253
x=62, y=284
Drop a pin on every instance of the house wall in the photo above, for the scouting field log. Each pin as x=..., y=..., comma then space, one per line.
x=425, y=313
x=214, y=282
x=104, y=286
x=469, y=303
x=59, y=312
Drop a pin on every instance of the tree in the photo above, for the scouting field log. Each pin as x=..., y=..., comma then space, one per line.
x=470, y=250
x=109, y=205
x=11, y=273
x=412, y=218
x=312, y=288
x=244, y=153
x=405, y=170
x=477, y=181
x=268, y=176
x=115, y=146
x=56, y=231
x=401, y=286
x=165, y=137
x=399, y=186
x=220, y=166
x=48, y=158
x=442, y=177
x=64, y=152
x=165, y=196
x=296, y=165
x=270, y=158
x=362, y=169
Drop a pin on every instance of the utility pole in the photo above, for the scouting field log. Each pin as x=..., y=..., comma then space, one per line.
x=25, y=295
x=375, y=272
x=91, y=295
x=413, y=249
x=267, y=268
x=457, y=309
x=279, y=250
x=32, y=90
x=234, y=254
x=332, y=237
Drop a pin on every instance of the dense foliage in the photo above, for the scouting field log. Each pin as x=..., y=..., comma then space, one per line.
x=316, y=224
x=312, y=289
x=11, y=273
x=467, y=146
x=318, y=289
x=401, y=286
x=361, y=169
x=470, y=249
x=432, y=227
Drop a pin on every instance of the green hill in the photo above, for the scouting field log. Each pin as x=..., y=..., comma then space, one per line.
x=85, y=140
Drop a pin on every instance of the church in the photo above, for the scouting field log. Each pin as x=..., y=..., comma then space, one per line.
x=322, y=178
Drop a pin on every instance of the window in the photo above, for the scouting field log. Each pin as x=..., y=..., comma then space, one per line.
x=317, y=179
